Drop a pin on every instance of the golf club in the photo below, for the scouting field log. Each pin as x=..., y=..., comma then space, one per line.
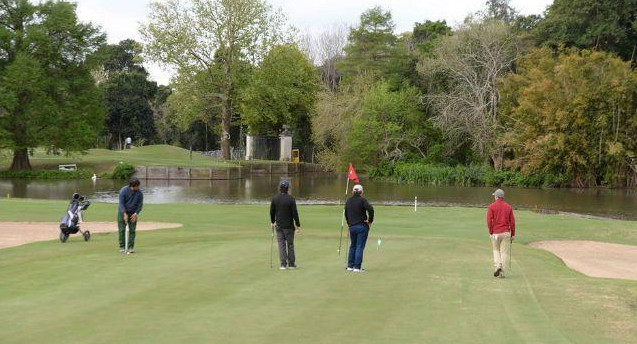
x=271, y=245
x=126, y=230
x=510, y=255
x=340, y=241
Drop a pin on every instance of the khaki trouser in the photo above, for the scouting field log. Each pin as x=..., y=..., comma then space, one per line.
x=501, y=245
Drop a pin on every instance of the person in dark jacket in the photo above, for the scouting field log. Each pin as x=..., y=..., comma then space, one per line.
x=131, y=202
x=359, y=215
x=283, y=216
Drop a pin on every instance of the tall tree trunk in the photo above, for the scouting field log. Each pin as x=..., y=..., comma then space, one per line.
x=226, y=112
x=20, y=160
x=225, y=129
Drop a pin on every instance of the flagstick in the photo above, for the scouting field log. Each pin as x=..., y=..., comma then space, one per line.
x=340, y=242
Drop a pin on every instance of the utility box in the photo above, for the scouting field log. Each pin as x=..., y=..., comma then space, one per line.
x=296, y=156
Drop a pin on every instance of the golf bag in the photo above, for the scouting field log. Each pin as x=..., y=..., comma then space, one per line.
x=70, y=223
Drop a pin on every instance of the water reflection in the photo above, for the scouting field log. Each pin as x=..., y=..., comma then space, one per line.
x=330, y=189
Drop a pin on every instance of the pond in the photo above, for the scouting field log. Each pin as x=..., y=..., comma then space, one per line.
x=323, y=188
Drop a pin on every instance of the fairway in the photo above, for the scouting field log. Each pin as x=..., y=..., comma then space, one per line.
x=210, y=281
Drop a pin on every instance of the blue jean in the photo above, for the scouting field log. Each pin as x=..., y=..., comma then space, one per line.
x=358, y=238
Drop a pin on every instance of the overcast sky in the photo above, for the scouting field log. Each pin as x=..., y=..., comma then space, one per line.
x=120, y=18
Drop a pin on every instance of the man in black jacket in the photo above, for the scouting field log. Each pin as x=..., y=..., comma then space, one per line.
x=282, y=214
x=357, y=210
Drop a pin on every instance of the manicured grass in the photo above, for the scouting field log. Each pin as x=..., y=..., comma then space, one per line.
x=103, y=160
x=210, y=282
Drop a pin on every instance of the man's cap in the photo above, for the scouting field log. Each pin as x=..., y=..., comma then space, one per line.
x=285, y=184
x=358, y=188
x=499, y=193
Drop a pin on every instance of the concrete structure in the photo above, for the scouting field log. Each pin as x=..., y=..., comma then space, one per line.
x=286, y=144
x=202, y=173
x=249, y=147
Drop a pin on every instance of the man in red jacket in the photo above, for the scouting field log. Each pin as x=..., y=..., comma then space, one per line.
x=501, y=223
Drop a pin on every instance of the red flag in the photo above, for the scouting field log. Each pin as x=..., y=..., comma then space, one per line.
x=351, y=174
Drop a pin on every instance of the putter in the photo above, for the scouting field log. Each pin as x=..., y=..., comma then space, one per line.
x=271, y=245
x=340, y=241
x=510, y=255
x=126, y=240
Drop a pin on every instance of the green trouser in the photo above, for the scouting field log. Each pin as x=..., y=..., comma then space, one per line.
x=122, y=229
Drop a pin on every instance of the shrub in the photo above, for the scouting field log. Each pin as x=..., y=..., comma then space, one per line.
x=123, y=170
x=472, y=175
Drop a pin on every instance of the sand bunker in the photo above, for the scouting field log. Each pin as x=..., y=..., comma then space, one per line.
x=20, y=233
x=595, y=259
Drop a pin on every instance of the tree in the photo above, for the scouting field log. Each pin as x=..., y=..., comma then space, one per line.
x=128, y=98
x=128, y=92
x=425, y=35
x=389, y=125
x=373, y=49
x=165, y=128
x=471, y=63
x=196, y=37
x=326, y=50
x=500, y=10
x=282, y=91
x=608, y=25
x=572, y=117
x=47, y=93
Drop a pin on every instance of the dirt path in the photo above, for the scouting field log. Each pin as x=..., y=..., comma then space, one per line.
x=595, y=259
x=20, y=233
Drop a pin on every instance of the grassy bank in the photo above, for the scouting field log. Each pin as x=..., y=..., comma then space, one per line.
x=103, y=160
x=210, y=282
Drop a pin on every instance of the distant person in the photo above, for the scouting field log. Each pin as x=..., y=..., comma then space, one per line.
x=359, y=215
x=131, y=202
x=283, y=216
x=501, y=224
x=128, y=143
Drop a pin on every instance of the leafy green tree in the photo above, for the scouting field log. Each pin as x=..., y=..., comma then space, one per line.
x=572, y=117
x=426, y=34
x=194, y=103
x=390, y=124
x=374, y=49
x=282, y=91
x=128, y=93
x=128, y=98
x=207, y=36
x=500, y=10
x=47, y=94
x=166, y=131
x=608, y=25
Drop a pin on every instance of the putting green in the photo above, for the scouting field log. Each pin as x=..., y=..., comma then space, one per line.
x=210, y=281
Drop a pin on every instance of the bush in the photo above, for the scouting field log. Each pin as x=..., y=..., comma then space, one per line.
x=123, y=170
x=472, y=175
x=48, y=174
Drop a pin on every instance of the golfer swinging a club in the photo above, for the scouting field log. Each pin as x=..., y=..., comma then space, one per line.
x=501, y=224
x=282, y=214
x=357, y=210
x=131, y=201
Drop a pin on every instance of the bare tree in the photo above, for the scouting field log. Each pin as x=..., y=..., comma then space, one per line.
x=325, y=49
x=471, y=63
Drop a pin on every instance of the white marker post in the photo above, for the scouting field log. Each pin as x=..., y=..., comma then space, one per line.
x=415, y=204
